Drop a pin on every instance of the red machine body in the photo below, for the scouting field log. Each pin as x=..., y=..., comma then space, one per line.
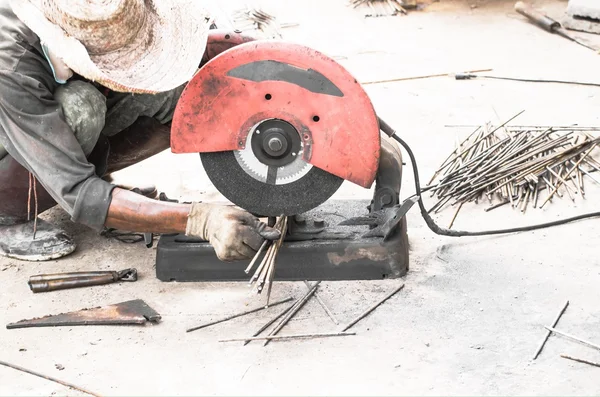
x=262, y=80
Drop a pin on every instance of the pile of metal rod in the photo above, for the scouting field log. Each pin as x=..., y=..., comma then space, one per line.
x=521, y=166
x=255, y=19
x=265, y=272
x=380, y=8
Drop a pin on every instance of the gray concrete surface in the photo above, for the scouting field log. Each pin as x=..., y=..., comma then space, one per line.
x=472, y=313
x=584, y=8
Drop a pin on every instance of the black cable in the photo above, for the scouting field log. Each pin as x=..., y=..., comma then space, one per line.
x=458, y=233
x=462, y=76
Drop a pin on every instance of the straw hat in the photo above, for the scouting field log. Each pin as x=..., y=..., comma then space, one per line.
x=139, y=46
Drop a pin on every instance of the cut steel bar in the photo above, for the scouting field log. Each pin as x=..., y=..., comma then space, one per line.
x=590, y=344
x=576, y=165
x=548, y=333
x=299, y=336
x=323, y=305
x=239, y=315
x=455, y=215
x=293, y=311
x=579, y=360
x=276, y=248
x=271, y=322
x=369, y=310
x=258, y=254
x=50, y=378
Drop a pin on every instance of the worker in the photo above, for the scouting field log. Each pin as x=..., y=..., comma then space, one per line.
x=76, y=78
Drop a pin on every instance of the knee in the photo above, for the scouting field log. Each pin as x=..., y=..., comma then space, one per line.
x=84, y=109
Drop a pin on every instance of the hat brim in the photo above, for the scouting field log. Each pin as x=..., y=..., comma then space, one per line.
x=166, y=56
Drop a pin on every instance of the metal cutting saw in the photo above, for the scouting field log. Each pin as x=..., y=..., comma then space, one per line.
x=278, y=128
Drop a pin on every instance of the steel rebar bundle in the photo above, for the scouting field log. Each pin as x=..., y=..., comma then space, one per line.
x=379, y=8
x=520, y=166
x=256, y=19
x=265, y=272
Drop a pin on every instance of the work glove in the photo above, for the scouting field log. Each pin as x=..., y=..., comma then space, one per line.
x=234, y=234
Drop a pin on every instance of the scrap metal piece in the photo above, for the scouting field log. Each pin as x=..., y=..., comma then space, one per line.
x=548, y=333
x=385, y=221
x=60, y=281
x=135, y=312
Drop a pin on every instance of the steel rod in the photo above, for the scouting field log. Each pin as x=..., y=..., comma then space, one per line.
x=293, y=311
x=271, y=322
x=50, y=378
x=323, y=305
x=299, y=336
x=239, y=315
x=276, y=248
x=370, y=309
x=590, y=344
x=258, y=253
x=579, y=360
x=548, y=333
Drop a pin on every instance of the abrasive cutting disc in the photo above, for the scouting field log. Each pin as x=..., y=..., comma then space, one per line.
x=269, y=177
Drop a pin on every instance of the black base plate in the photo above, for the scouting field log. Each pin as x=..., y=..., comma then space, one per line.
x=337, y=253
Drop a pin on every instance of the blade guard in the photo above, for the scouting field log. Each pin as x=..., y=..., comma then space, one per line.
x=263, y=80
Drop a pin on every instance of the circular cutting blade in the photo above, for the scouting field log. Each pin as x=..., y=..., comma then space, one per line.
x=268, y=186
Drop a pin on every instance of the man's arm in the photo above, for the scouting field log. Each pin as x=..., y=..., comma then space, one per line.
x=234, y=234
x=131, y=211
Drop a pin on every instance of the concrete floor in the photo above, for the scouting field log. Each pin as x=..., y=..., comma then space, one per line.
x=472, y=313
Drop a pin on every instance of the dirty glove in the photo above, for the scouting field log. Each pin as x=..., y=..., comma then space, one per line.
x=233, y=233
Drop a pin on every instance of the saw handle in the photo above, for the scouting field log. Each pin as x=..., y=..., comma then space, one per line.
x=536, y=17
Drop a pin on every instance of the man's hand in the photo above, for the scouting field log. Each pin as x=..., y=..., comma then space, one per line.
x=234, y=234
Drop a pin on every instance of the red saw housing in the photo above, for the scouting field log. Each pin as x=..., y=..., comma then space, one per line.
x=263, y=80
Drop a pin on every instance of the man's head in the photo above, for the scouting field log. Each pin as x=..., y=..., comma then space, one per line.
x=126, y=45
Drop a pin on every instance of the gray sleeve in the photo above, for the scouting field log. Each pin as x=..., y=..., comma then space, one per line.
x=33, y=130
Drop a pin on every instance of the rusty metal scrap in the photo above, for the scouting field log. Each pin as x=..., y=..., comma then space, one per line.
x=135, y=312
x=55, y=282
x=525, y=166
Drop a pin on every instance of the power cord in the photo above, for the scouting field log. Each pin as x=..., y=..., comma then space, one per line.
x=467, y=76
x=458, y=233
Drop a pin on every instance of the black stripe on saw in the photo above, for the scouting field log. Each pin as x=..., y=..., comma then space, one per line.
x=262, y=199
x=272, y=175
x=309, y=79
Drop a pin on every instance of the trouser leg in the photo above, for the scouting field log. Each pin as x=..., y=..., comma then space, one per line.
x=14, y=193
x=85, y=111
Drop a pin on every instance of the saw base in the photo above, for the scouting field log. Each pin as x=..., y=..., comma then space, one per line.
x=327, y=252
